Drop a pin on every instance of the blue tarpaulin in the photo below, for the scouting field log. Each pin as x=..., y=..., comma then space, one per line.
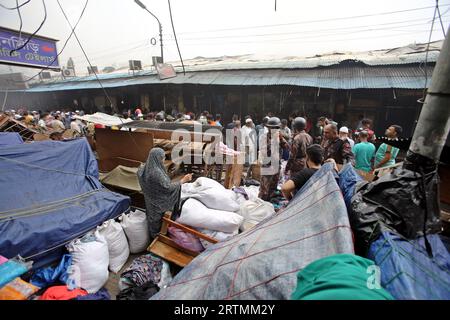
x=51, y=195
x=10, y=138
x=348, y=178
x=407, y=271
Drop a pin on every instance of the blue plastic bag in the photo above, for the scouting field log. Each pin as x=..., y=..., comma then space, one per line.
x=45, y=277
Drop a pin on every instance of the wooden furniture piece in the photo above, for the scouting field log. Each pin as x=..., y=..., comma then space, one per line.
x=166, y=248
x=233, y=173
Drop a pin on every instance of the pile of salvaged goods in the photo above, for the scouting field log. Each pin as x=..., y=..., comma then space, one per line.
x=64, y=235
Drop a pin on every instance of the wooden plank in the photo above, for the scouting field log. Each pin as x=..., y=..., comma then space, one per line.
x=168, y=253
x=113, y=144
x=190, y=230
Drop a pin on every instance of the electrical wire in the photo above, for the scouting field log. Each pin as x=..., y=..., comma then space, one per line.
x=312, y=33
x=112, y=52
x=175, y=35
x=64, y=46
x=84, y=52
x=34, y=33
x=17, y=5
x=426, y=55
x=95, y=73
x=21, y=21
x=297, y=39
x=315, y=21
x=440, y=18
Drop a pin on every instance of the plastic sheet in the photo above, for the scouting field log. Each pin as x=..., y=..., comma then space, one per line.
x=407, y=271
x=395, y=202
x=53, y=197
x=262, y=263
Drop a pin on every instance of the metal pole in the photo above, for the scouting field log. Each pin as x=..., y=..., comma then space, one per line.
x=161, y=42
x=434, y=122
x=138, y=2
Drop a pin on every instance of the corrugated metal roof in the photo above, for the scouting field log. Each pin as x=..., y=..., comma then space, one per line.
x=335, y=77
x=411, y=54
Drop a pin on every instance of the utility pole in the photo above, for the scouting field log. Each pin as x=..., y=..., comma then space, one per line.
x=160, y=27
x=434, y=122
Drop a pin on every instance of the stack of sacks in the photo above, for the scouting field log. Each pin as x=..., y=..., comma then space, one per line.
x=209, y=208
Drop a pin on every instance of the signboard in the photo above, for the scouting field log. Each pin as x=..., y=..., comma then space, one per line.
x=165, y=71
x=40, y=52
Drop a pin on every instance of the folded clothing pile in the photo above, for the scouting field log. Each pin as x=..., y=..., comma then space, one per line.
x=12, y=287
x=143, y=278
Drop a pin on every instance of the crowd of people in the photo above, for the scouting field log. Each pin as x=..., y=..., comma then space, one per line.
x=54, y=123
x=303, y=145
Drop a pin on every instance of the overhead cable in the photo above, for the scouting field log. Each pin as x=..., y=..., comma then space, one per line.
x=34, y=33
x=175, y=35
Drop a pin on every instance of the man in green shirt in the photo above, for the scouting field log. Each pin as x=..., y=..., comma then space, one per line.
x=364, y=152
x=386, y=154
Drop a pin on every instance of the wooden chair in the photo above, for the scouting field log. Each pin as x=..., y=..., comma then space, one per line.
x=169, y=250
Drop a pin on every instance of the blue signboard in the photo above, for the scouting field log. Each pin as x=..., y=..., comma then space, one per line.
x=39, y=52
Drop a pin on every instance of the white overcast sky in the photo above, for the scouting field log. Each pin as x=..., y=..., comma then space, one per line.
x=115, y=31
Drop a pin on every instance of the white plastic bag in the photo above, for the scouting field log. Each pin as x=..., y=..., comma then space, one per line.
x=166, y=276
x=90, y=260
x=117, y=244
x=135, y=226
x=252, y=192
x=255, y=211
x=197, y=215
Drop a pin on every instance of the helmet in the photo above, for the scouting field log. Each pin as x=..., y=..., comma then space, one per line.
x=274, y=123
x=299, y=123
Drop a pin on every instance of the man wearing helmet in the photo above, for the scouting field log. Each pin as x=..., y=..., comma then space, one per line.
x=301, y=141
x=270, y=162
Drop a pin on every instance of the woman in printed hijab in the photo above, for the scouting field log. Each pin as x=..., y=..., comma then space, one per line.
x=160, y=193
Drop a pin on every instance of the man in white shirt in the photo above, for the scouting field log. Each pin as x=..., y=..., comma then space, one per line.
x=75, y=126
x=343, y=134
x=248, y=136
x=58, y=125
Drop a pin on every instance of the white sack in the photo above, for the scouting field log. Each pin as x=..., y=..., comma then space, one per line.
x=197, y=215
x=211, y=193
x=214, y=198
x=117, y=244
x=90, y=259
x=135, y=226
x=208, y=183
x=254, y=212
